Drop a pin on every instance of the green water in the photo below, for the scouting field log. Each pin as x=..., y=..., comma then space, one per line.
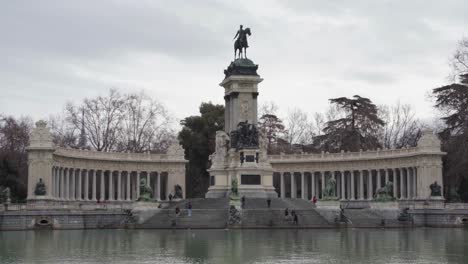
x=236, y=246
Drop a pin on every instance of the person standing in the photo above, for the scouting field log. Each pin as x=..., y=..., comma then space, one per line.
x=243, y=202
x=189, y=208
x=268, y=202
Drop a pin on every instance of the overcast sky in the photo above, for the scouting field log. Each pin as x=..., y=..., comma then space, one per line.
x=308, y=51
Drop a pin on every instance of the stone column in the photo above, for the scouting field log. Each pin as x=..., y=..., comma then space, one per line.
x=94, y=185
x=67, y=176
x=361, y=185
x=138, y=186
x=312, y=184
x=119, y=185
x=158, y=186
x=62, y=184
x=303, y=194
x=369, y=185
x=395, y=186
x=293, y=185
x=78, y=190
x=415, y=182
x=86, y=185
x=386, y=176
x=73, y=187
x=379, y=180
x=111, y=186
x=52, y=190
x=282, y=188
x=322, y=173
x=401, y=184
x=56, y=183
x=103, y=186
x=128, y=187
x=352, y=185
x=408, y=183
x=343, y=185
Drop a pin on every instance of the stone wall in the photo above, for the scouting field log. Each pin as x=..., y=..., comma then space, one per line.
x=29, y=220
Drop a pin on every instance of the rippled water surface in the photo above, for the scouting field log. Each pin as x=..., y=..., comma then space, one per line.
x=236, y=246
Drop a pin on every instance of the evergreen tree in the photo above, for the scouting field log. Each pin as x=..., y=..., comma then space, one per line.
x=452, y=100
x=198, y=139
x=356, y=129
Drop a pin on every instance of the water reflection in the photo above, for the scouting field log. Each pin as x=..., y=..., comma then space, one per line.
x=236, y=246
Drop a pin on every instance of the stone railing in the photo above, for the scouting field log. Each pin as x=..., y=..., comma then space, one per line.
x=118, y=156
x=66, y=206
x=345, y=156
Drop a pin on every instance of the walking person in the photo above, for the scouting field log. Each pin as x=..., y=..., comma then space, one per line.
x=314, y=200
x=286, y=214
x=243, y=202
x=295, y=219
x=189, y=208
x=268, y=202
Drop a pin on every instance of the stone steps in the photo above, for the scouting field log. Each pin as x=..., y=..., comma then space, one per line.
x=259, y=218
x=200, y=218
x=278, y=203
x=373, y=218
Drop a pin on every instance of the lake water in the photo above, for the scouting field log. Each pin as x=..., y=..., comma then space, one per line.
x=422, y=245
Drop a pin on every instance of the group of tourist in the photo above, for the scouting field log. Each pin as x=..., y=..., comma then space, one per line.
x=188, y=207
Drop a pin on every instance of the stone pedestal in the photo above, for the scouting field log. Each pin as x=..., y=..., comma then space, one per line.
x=240, y=149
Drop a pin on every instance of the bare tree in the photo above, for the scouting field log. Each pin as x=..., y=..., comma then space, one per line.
x=145, y=125
x=297, y=123
x=268, y=108
x=459, y=60
x=64, y=133
x=402, y=128
x=101, y=117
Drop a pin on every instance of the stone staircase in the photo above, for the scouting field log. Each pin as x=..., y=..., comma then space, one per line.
x=256, y=214
x=206, y=213
x=373, y=218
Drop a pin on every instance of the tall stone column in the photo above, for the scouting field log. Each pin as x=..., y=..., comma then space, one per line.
x=158, y=186
x=379, y=180
x=312, y=184
x=56, y=183
x=73, y=187
x=322, y=173
x=395, y=186
x=119, y=185
x=303, y=193
x=67, y=176
x=361, y=185
x=79, y=191
x=293, y=186
x=86, y=185
x=103, y=186
x=369, y=185
x=138, y=186
x=111, y=186
x=94, y=185
x=62, y=184
x=128, y=187
x=352, y=185
x=53, y=183
x=343, y=185
x=386, y=176
x=408, y=183
x=402, y=195
x=415, y=182
x=282, y=187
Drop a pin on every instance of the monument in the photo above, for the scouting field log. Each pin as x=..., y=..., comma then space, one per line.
x=241, y=154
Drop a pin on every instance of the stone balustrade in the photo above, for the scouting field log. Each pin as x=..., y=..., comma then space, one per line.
x=358, y=175
x=85, y=175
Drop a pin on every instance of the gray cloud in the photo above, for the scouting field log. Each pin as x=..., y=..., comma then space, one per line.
x=58, y=51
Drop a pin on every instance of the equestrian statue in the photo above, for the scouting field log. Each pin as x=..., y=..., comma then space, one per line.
x=241, y=43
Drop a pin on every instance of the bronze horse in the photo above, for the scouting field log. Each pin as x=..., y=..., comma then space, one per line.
x=242, y=43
